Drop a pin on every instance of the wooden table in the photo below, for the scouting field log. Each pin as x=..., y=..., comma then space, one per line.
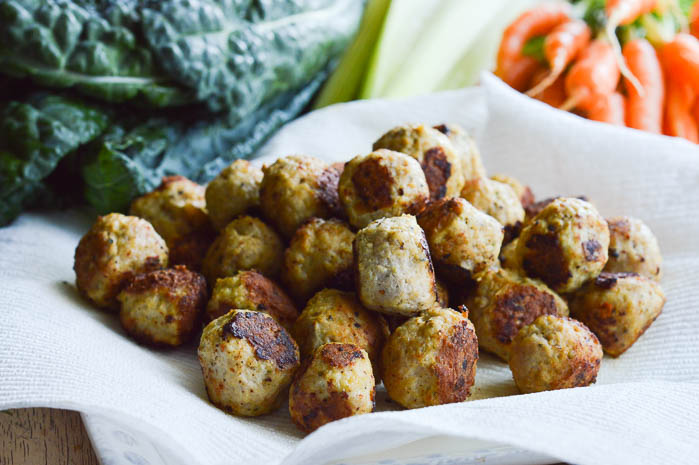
x=44, y=436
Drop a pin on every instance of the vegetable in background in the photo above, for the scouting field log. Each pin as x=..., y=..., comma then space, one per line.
x=199, y=83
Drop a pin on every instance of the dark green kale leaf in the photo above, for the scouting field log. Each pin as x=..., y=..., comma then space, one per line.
x=238, y=58
x=130, y=160
x=34, y=136
x=91, y=46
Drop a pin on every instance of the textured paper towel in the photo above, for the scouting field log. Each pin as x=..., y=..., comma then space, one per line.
x=57, y=351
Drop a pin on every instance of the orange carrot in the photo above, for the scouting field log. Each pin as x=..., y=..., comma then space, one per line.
x=607, y=108
x=596, y=72
x=645, y=111
x=619, y=13
x=519, y=72
x=680, y=59
x=694, y=20
x=537, y=21
x=695, y=111
x=561, y=47
x=679, y=101
x=555, y=94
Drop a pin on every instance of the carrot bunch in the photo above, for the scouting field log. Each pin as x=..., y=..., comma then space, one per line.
x=555, y=53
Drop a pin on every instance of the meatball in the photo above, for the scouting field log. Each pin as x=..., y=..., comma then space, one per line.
x=249, y=290
x=535, y=208
x=524, y=193
x=296, y=188
x=508, y=255
x=336, y=383
x=497, y=200
x=618, y=308
x=248, y=361
x=463, y=240
x=431, y=359
x=633, y=248
x=466, y=150
x=116, y=248
x=161, y=307
x=565, y=245
x=236, y=190
x=554, y=352
x=319, y=255
x=245, y=244
x=435, y=153
x=505, y=302
x=381, y=184
x=394, y=272
x=337, y=316
x=177, y=211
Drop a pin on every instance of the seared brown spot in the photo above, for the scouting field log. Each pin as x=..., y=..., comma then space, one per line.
x=437, y=171
x=270, y=341
x=527, y=197
x=268, y=297
x=591, y=250
x=608, y=280
x=518, y=307
x=512, y=232
x=455, y=364
x=545, y=260
x=327, y=190
x=372, y=182
x=340, y=355
x=619, y=227
x=443, y=128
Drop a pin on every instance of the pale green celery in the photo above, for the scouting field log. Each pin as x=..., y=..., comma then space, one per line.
x=400, y=34
x=345, y=82
x=659, y=30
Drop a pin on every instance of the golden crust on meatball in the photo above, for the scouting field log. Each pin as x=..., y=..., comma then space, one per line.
x=337, y=316
x=431, y=359
x=296, y=188
x=248, y=361
x=463, y=240
x=116, y=248
x=319, y=255
x=394, y=272
x=466, y=150
x=618, y=308
x=433, y=151
x=505, y=302
x=177, y=211
x=161, y=307
x=633, y=248
x=496, y=199
x=524, y=193
x=381, y=184
x=235, y=191
x=335, y=383
x=246, y=243
x=554, y=352
x=250, y=290
x=565, y=245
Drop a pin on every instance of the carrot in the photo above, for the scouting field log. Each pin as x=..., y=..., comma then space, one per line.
x=537, y=21
x=695, y=111
x=596, y=72
x=519, y=72
x=694, y=20
x=620, y=13
x=680, y=59
x=607, y=108
x=555, y=94
x=561, y=47
x=679, y=122
x=645, y=111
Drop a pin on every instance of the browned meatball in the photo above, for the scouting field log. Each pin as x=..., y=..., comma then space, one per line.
x=235, y=191
x=525, y=194
x=177, y=211
x=161, y=307
x=466, y=150
x=381, y=184
x=296, y=188
x=116, y=248
x=335, y=383
x=496, y=199
x=250, y=290
x=435, y=153
x=554, y=352
x=618, y=308
x=505, y=302
x=431, y=359
x=319, y=255
x=633, y=248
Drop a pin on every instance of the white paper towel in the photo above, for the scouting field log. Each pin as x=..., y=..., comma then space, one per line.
x=56, y=351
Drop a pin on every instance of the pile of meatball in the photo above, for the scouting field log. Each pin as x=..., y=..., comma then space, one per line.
x=403, y=262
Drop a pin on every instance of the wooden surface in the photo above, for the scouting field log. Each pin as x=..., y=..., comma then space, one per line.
x=44, y=436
